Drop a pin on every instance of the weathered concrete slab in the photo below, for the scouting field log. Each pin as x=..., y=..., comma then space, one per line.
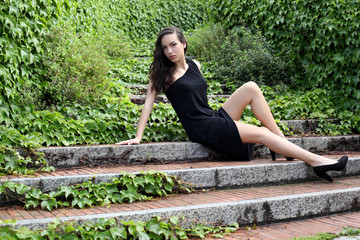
x=215, y=177
x=306, y=126
x=63, y=157
x=319, y=144
x=256, y=211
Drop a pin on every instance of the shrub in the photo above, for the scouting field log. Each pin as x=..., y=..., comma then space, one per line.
x=75, y=67
x=114, y=45
x=238, y=55
x=320, y=36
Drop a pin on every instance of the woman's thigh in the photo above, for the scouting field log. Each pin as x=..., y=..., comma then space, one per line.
x=252, y=134
x=236, y=103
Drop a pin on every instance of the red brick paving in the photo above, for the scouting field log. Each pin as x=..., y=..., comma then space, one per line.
x=157, y=167
x=16, y=212
x=301, y=228
x=274, y=231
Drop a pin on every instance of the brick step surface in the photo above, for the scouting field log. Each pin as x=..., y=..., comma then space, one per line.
x=334, y=224
x=166, y=152
x=205, y=174
x=247, y=206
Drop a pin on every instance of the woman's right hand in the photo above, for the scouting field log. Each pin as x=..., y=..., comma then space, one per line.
x=134, y=141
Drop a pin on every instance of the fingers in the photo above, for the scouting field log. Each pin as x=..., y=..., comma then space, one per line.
x=128, y=142
x=123, y=143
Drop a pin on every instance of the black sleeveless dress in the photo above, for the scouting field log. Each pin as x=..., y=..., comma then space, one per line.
x=216, y=130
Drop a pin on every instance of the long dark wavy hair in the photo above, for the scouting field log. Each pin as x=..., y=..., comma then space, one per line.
x=162, y=69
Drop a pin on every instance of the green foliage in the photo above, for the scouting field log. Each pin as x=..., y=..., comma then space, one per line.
x=320, y=236
x=131, y=70
x=25, y=92
x=75, y=68
x=135, y=18
x=164, y=125
x=318, y=104
x=320, y=36
x=126, y=189
x=11, y=162
x=27, y=58
x=238, y=56
x=348, y=231
x=22, y=24
x=156, y=228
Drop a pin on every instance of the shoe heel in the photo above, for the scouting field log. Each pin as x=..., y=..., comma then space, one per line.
x=323, y=175
x=339, y=166
x=289, y=158
x=273, y=155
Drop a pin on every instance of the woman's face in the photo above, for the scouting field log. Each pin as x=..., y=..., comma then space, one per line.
x=173, y=48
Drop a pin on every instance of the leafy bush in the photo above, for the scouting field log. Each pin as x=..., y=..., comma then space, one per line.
x=114, y=45
x=238, y=55
x=320, y=36
x=75, y=68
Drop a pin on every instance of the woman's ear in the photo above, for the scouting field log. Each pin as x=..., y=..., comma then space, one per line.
x=184, y=44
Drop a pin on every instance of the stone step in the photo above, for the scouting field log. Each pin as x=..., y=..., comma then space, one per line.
x=305, y=126
x=247, y=206
x=219, y=175
x=166, y=152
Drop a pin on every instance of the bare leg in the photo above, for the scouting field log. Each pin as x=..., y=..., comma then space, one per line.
x=271, y=136
x=250, y=94
x=262, y=135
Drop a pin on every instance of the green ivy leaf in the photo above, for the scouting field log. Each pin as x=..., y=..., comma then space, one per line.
x=85, y=201
x=118, y=232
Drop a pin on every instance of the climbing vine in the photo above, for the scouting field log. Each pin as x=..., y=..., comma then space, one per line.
x=12, y=162
x=156, y=228
x=125, y=189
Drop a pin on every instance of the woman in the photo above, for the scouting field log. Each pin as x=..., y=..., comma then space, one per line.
x=181, y=80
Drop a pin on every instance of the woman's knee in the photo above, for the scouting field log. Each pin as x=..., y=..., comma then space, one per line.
x=252, y=86
x=263, y=135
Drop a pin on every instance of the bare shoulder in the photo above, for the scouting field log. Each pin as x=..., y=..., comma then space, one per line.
x=197, y=64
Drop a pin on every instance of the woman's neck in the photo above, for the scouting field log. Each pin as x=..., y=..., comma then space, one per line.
x=181, y=65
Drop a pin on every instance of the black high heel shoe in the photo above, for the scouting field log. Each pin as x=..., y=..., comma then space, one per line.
x=339, y=166
x=273, y=156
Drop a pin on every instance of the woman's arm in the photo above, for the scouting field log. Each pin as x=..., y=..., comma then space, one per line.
x=144, y=116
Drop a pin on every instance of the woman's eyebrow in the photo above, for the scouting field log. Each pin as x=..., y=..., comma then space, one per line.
x=169, y=43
